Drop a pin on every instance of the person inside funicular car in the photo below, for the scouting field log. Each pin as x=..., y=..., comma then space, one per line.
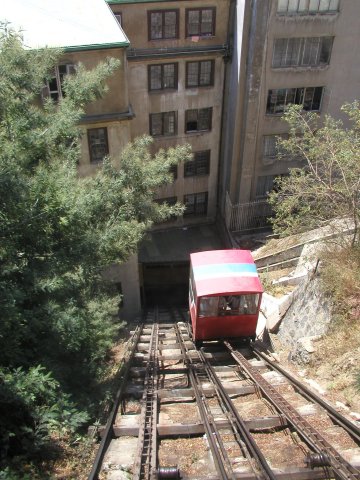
x=245, y=304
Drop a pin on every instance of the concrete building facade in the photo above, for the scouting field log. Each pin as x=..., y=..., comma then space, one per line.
x=175, y=72
x=285, y=51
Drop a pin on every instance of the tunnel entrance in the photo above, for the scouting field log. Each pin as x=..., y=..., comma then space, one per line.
x=165, y=284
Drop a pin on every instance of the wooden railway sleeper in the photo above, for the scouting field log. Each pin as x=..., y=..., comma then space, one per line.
x=339, y=419
x=145, y=466
x=239, y=424
x=341, y=468
x=123, y=376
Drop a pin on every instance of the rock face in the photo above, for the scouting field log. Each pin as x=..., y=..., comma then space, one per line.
x=307, y=318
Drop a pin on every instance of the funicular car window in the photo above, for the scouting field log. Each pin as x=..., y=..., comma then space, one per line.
x=245, y=304
x=209, y=307
x=192, y=294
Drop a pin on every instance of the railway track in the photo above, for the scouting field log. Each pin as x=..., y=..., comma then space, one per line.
x=224, y=411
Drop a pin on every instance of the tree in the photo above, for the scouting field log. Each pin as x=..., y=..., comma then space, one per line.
x=57, y=232
x=328, y=186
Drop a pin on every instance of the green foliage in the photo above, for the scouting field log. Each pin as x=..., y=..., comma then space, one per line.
x=57, y=232
x=328, y=185
x=35, y=400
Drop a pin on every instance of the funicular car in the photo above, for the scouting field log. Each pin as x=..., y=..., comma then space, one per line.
x=224, y=295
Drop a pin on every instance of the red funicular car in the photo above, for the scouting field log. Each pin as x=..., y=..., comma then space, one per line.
x=224, y=295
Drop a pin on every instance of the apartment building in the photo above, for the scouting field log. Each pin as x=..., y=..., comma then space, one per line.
x=175, y=70
x=285, y=51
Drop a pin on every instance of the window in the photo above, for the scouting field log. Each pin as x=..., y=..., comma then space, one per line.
x=98, y=144
x=54, y=84
x=118, y=17
x=267, y=183
x=200, y=22
x=196, y=204
x=271, y=149
x=264, y=185
x=230, y=305
x=302, y=52
x=309, y=98
x=200, y=74
x=174, y=171
x=304, y=7
x=163, y=24
x=162, y=77
x=198, y=120
x=162, y=124
x=200, y=165
x=170, y=201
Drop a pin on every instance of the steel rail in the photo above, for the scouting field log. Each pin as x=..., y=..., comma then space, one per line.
x=145, y=465
x=123, y=376
x=341, y=468
x=239, y=423
x=207, y=419
x=346, y=424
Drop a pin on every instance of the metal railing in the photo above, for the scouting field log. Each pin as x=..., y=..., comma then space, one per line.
x=246, y=216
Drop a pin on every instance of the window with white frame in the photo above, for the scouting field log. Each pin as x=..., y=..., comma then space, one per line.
x=196, y=204
x=302, y=52
x=118, y=16
x=54, y=84
x=200, y=165
x=98, y=144
x=200, y=74
x=306, y=7
x=200, y=22
x=163, y=123
x=198, y=120
x=163, y=24
x=308, y=97
x=163, y=76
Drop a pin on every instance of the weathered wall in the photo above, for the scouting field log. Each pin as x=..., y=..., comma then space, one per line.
x=308, y=316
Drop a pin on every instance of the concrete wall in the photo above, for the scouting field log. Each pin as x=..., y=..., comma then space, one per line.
x=127, y=274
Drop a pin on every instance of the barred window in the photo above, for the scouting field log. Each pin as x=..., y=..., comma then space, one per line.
x=271, y=147
x=163, y=77
x=278, y=99
x=163, y=24
x=302, y=52
x=98, y=144
x=198, y=120
x=200, y=22
x=304, y=7
x=170, y=201
x=200, y=165
x=196, y=204
x=200, y=74
x=163, y=123
x=266, y=183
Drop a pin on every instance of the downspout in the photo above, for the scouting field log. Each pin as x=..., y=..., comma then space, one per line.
x=227, y=58
x=249, y=75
